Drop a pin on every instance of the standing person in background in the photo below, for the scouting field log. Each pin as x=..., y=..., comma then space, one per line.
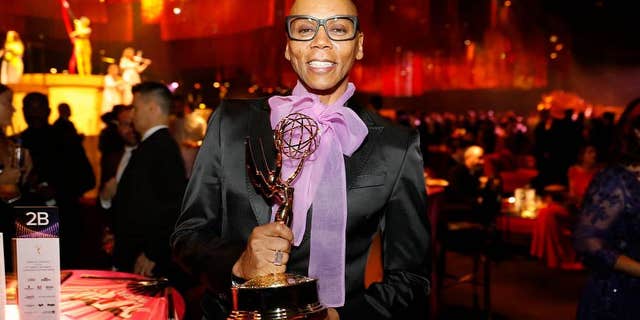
x=188, y=129
x=113, y=88
x=132, y=65
x=62, y=172
x=12, y=65
x=13, y=175
x=147, y=200
x=113, y=143
x=581, y=174
x=81, y=45
x=113, y=161
x=608, y=229
x=64, y=125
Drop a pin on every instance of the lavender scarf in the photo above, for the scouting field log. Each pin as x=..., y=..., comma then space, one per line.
x=322, y=183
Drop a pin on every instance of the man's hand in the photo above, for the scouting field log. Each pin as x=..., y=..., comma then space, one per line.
x=259, y=256
x=332, y=314
x=144, y=266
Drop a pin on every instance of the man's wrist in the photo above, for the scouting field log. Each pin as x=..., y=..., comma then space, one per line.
x=236, y=269
x=236, y=281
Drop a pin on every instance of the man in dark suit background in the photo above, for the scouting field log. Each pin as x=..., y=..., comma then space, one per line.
x=61, y=173
x=147, y=200
x=224, y=232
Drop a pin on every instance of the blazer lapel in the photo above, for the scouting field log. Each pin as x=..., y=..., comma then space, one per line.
x=358, y=160
x=260, y=133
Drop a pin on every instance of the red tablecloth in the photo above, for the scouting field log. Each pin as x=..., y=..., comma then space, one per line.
x=515, y=224
x=104, y=295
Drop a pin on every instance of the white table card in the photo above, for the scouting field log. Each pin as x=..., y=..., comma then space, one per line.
x=38, y=263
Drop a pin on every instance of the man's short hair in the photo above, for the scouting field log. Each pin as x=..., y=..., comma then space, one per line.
x=120, y=108
x=156, y=91
x=34, y=102
x=64, y=108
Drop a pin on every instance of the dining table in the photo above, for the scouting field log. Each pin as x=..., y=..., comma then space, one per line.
x=108, y=295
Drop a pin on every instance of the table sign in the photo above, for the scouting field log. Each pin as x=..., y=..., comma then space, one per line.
x=3, y=288
x=38, y=262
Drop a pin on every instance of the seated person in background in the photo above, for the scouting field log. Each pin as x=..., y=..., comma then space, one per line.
x=581, y=173
x=551, y=239
x=470, y=191
x=465, y=179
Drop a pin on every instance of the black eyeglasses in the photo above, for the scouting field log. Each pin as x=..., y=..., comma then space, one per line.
x=338, y=28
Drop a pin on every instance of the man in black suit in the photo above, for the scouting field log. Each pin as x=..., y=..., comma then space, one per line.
x=147, y=200
x=224, y=231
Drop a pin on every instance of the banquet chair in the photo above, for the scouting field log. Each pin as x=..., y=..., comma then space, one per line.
x=470, y=232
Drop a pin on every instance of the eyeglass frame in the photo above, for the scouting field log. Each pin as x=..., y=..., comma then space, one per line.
x=322, y=23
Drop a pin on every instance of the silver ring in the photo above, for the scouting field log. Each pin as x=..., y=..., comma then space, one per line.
x=277, y=259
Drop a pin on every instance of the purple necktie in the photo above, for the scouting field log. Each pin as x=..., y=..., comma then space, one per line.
x=322, y=182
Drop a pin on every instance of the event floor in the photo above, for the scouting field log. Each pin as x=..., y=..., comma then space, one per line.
x=522, y=289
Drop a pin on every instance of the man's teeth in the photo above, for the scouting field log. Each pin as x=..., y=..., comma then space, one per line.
x=320, y=64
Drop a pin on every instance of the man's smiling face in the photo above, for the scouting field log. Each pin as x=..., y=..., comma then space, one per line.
x=323, y=64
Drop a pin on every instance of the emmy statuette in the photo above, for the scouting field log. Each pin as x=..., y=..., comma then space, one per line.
x=280, y=296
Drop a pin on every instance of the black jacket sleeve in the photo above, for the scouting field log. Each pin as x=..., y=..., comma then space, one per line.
x=405, y=243
x=198, y=243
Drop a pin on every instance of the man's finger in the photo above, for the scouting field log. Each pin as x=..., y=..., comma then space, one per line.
x=277, y=229
x=279, y=258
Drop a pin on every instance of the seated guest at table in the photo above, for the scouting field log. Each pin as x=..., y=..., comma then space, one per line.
x=581, y=173
x=551, y=240
x=466, y=180
x=608, y=229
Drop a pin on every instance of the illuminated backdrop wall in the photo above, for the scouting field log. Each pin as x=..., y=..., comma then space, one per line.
x=411, y=46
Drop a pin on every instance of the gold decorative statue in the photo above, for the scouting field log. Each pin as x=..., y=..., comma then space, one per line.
x=82, y=45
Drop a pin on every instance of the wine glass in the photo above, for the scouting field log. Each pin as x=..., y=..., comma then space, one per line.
x=18, y=156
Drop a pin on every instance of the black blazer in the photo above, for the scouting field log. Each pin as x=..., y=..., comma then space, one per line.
x=385, y=190
x=147, y=202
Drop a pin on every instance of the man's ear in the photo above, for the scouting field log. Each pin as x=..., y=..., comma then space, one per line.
x=287, y=53
x=360, y=48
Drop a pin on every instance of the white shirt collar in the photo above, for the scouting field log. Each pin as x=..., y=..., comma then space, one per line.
x=129, y=148
x=153, y=130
